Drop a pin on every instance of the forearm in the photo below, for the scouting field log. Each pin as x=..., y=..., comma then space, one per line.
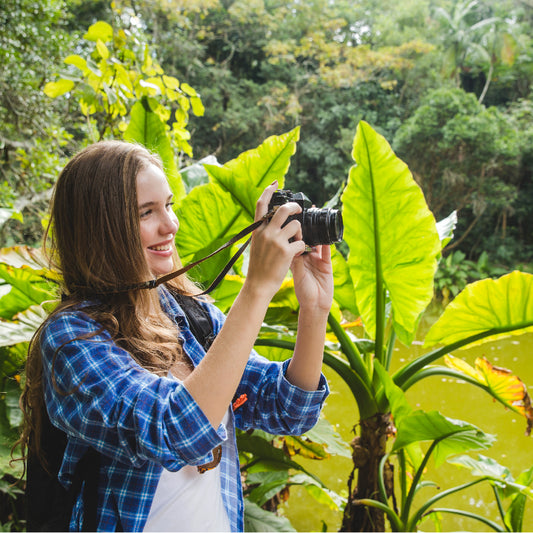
x=305, y=367
x=214, y=382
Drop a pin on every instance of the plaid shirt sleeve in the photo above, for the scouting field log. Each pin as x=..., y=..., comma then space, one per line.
x=96, y=392
x=273, y=403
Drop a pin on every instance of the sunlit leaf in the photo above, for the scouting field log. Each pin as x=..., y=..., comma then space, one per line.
x=500, y=383
x=77, y=61
x=483, y=466
x=99, y=30
x=188, y=90
x=304, y=447
x=53, y=89
x=499, y=474
x=344, y=288
x=27, y=288
x=146, y=128
x=19, y=256
x=252, y=171
x=208, y=219
x=102, y=49
x=212, y=214
x=499, y=308
x=391, y=233
x=197, y=106
x=22, y=327
x=446, y=227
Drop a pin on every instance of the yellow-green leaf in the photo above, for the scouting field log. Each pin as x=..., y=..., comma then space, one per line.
x=99, y=30
x=197, y=106
x=77, y=61
x=102, y=49
x=305, y=448
x=171, y=82
x=391, y=233
x=188, y=90
x=53, y=89
x=497, y=308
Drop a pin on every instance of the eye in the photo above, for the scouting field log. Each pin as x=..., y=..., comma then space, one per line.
x=169, y=205
x=144, y=214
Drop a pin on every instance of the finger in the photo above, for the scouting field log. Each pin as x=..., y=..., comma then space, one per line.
x=297, y=248
x=326, y=253
x=261, y=208
x=292, y=230
x=285, y=211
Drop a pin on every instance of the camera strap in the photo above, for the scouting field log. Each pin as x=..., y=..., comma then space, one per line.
x=153, y=283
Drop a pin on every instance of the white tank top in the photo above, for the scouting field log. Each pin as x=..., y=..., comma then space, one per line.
x=188, y=501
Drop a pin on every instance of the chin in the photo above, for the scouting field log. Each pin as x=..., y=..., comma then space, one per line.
x=161, y=270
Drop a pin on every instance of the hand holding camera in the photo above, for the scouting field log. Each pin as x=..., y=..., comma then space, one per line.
x=319, y=226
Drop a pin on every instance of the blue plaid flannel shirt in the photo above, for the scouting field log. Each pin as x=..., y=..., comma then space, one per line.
x=142, y=423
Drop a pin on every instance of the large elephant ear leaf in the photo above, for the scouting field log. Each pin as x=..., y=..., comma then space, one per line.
x=213, y=213
x=391, y=233
x=488, y=309
x=246, y=176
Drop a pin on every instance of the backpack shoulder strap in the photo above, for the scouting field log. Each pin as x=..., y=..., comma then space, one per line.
x=198, y=317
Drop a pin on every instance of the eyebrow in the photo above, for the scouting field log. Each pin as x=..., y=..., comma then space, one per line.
x=151, y=203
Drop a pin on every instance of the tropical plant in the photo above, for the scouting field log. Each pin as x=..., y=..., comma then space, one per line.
x=394, y=248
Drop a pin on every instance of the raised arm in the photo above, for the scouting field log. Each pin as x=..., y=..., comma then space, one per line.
x=214, y=382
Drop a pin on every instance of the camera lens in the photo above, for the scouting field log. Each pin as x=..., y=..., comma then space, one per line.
x=322, y=226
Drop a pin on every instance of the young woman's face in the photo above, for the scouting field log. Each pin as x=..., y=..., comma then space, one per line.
x=158, y=222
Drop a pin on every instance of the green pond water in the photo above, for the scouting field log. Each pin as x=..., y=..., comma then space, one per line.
x=453, y=399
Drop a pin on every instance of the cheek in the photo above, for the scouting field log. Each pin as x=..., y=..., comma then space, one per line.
x=145, y=234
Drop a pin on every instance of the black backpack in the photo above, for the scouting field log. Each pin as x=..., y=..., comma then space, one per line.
x=48, y=504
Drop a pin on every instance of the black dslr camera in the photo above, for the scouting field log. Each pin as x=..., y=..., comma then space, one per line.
x=319, y=226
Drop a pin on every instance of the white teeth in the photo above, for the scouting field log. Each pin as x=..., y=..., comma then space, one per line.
x=160, y=248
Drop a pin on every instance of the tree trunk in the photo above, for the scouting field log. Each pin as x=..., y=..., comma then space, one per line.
x=368, y=450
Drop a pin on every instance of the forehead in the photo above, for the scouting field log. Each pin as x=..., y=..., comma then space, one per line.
x=152, y=185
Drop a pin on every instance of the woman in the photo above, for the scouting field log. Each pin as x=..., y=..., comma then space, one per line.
x=122, y=373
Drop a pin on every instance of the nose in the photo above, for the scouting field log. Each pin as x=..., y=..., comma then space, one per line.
x=169, y=223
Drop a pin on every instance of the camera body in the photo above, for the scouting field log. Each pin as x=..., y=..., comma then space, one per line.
x=319, y=226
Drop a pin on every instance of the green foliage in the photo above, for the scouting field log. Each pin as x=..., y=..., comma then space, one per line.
x=262, y=68
x=119, y=71
x=466, y=158
x=269, y=464
x=455, y=272
x=33, y=37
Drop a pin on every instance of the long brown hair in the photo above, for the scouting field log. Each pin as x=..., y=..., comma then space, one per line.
x=93, y=242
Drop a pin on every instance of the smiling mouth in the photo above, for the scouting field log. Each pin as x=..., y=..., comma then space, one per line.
x=162, y=248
